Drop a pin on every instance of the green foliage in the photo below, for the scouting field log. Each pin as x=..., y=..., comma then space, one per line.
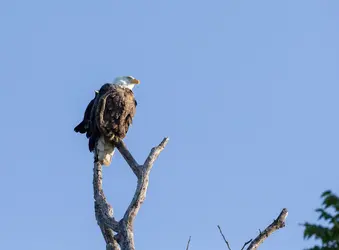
x=328, y=235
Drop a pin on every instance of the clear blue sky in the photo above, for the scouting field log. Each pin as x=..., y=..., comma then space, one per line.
x=247, y=91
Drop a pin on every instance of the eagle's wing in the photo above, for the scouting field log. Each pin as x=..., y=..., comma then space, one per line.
x=83, y=126
x=93, y=133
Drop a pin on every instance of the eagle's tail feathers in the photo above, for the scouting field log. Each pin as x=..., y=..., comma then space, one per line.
x=104, y=151
x=108, y=159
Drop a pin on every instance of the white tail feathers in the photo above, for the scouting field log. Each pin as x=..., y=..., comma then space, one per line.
x=104, y=151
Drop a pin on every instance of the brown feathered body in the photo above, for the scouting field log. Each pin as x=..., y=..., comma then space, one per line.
x=115, y=112
x=112, y=114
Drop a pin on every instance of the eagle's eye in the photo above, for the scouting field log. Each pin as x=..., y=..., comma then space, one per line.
x=130, y=77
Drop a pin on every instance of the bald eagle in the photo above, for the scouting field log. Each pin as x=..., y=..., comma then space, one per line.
x=108, y=116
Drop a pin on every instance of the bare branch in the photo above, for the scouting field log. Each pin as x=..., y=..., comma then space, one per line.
x=126, y=224
x=103, y=210
x=188, y=243
x=142, y=185
x=223, y=236
x=277, y=224
x=155, y=152
x=129, y=158
x=246, y=243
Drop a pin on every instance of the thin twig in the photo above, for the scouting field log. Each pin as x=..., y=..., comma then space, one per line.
x=246, y=243
x=228, y=245
x=275, y=225
x=188, y=243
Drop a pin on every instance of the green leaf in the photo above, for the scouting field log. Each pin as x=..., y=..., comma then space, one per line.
x=326, y=193
x=323, y=214
x=327, y=234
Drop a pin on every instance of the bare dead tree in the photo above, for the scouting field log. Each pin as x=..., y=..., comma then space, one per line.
x=278, y=223
x=119, y=234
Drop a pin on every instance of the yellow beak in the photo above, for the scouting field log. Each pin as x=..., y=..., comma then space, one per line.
x=135, y=81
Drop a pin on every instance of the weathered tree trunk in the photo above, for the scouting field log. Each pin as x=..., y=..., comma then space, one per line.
x=119, y=235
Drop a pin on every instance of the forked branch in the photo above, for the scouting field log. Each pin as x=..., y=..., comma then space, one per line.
x=123, y=238
x=129, y=158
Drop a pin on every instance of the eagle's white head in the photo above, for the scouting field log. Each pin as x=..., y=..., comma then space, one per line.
x=126, y=81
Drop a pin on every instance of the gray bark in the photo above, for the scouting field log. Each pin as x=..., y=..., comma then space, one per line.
x=278, y=223
x=119, y=235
